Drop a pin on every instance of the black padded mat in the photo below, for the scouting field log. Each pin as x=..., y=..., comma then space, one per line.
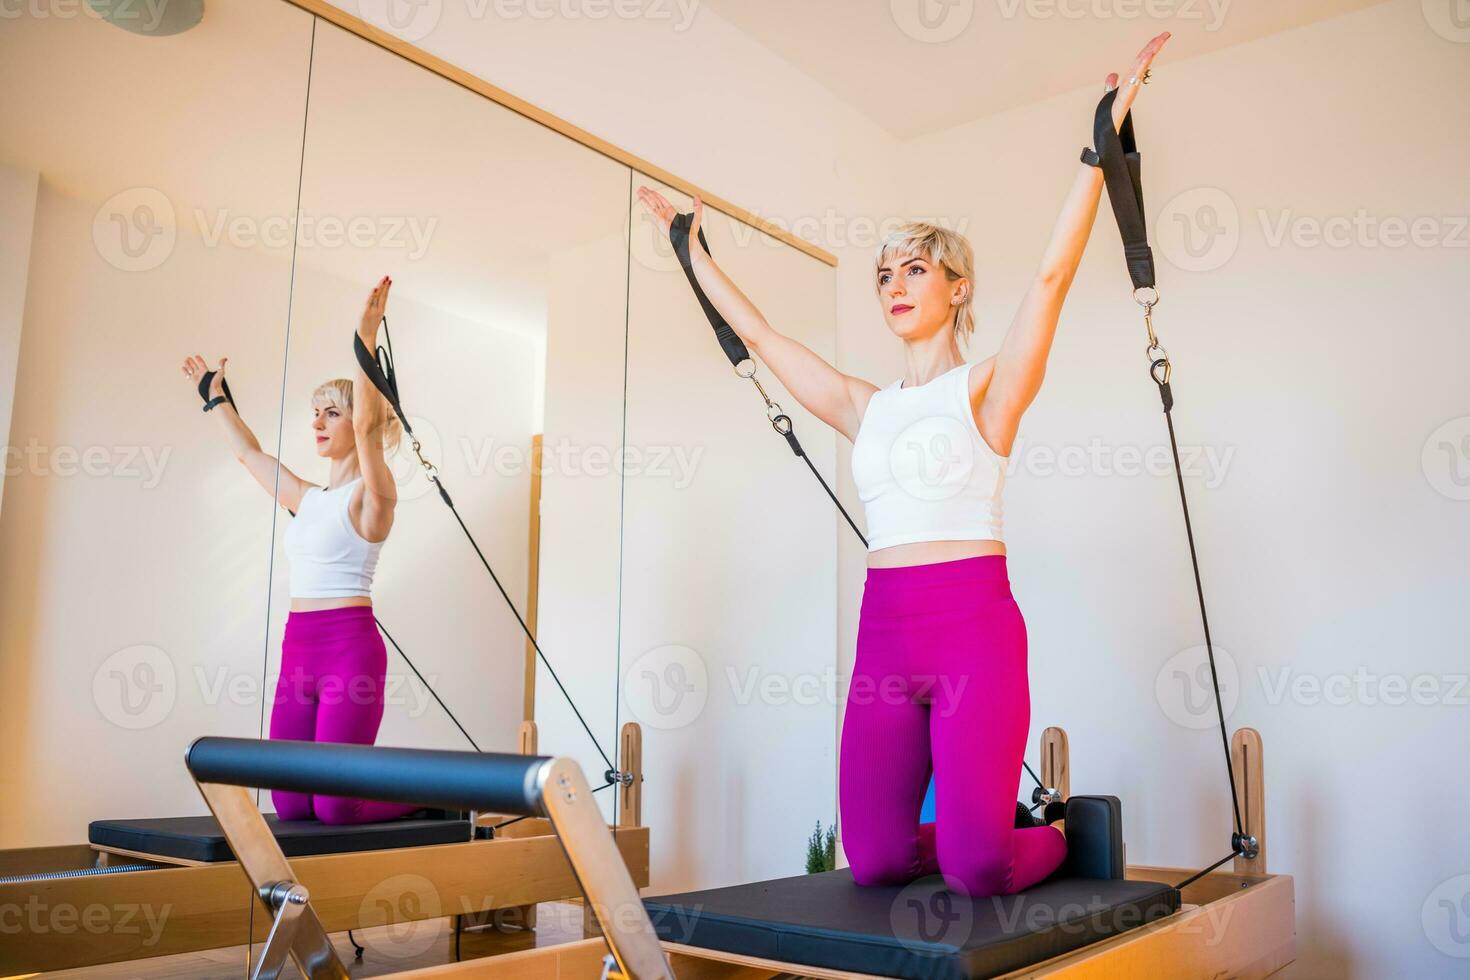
x=200, y=838
x=921, y=930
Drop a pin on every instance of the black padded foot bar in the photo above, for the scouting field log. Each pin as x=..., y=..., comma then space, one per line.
x=921, y=930
x=201, y=839
x=498, y=782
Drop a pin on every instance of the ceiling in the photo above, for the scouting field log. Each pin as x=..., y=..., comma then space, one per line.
x=918, y=66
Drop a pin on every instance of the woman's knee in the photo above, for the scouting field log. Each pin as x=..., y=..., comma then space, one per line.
x=337, y=810
x=882, y=866
x=979, y=875
x=292, y=806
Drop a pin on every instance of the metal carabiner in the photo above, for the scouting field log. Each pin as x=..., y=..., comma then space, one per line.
x=779, y=420
x=1158, y=358
x=429, y=468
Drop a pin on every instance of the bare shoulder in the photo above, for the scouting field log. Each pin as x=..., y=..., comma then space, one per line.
x=290, y=488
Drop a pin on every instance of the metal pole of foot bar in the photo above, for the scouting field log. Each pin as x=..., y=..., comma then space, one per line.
x=296, y=930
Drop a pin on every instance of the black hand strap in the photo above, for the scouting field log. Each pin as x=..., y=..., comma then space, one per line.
x=730, y=341
x=379, y=371
x=1117, y=154
x=740, y=358
x=212, y=403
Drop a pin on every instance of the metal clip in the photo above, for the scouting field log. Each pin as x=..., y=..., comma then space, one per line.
x=418, y=450
x=765, y=397
x=1248, y=846
x=1159, y=366
x=1042, y=795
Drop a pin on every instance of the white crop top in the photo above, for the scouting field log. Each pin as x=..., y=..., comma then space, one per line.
x=326, y=556
x=922, y=469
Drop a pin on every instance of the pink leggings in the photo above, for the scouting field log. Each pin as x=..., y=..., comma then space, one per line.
x=331, y=690
x=940, y=687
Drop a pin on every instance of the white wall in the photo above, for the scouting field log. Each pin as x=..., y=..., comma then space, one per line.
x=134, y=551
x=1333, y=534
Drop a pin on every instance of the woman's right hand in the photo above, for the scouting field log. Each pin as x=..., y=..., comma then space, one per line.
x=658, y=206
x=195, y=368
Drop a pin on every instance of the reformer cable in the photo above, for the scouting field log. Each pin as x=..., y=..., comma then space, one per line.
x=427, y=686
x=1116, y=154
x=380, y=371
x=745, y=366
x=506, y=823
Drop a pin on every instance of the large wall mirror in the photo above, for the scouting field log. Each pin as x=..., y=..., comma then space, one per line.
x=505, y=243
x=236, y=190
x=149, y=188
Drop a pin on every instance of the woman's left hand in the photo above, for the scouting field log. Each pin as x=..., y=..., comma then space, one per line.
x=372, y=314
x=1140, y=72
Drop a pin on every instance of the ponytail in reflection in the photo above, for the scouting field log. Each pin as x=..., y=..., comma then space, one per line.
x=338, y=394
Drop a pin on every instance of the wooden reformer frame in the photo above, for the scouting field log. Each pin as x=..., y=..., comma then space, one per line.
x=1238, y=923
x=207, y=905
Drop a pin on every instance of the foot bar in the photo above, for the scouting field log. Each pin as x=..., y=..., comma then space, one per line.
x=502, y=783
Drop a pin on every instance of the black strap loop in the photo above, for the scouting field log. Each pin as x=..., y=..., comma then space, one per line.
x=1116, y=153
x=212, y=403
x=739, y=354
x=730, y=341
x=379, y=370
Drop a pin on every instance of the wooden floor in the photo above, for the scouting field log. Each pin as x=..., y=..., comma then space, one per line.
x=389, y=949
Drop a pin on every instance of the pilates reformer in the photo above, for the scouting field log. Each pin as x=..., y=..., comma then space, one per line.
x=1134, y=923
x=488, y=869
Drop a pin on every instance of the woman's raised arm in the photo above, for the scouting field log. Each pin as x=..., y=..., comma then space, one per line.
x=1020, y=363
x=826, y=392
x=369, y=421
x=274, y=479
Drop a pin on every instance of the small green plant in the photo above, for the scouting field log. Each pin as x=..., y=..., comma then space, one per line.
x=821, y=850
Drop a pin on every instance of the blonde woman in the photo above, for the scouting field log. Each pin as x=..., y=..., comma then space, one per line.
x=333, y=659
x=940, y=680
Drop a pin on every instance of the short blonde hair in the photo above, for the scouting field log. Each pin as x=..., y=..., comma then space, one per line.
x=338, y=394
x=947, y=249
